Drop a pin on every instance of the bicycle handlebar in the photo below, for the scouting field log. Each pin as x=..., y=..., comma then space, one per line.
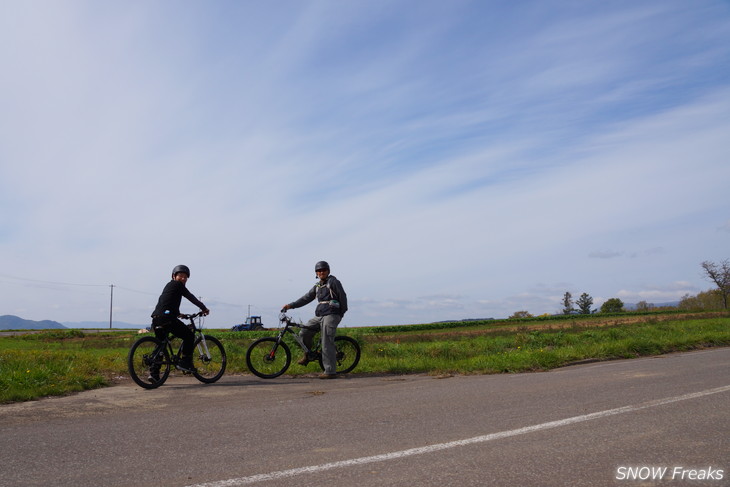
x=190, y=317
x=284, y=318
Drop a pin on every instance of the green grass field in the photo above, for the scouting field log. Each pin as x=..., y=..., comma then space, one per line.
x=59, y=362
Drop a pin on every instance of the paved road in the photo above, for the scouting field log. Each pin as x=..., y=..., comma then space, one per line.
x=578, y=426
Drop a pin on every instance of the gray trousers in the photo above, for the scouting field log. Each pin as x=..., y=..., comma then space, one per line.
x=328, y=326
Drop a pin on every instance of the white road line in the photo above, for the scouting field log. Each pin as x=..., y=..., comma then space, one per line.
x=453, y=444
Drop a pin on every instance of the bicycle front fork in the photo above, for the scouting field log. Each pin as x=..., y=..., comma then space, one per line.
x=203, y=348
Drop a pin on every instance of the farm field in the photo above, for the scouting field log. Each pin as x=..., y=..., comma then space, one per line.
x=56, y=362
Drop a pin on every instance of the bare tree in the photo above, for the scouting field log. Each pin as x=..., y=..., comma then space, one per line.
x=720, y=275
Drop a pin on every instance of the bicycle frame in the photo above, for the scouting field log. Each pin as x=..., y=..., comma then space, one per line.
x=200, y=342
x=297, y=338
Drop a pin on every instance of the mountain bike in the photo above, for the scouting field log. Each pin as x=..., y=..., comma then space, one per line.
x=269, y=357
x=151, y=359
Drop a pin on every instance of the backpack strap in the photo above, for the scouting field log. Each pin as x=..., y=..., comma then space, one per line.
x=329, y=287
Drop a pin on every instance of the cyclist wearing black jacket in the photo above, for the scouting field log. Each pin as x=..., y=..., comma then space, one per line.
x=165, y=316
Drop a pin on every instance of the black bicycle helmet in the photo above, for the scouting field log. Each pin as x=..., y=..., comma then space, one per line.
x=181, y=268
x=321, y=266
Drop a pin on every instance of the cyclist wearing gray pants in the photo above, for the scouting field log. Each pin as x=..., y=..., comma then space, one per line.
x=331, y=307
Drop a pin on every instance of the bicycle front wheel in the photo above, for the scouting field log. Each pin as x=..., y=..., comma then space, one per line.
x=347, y=354
x=268, y=358
x=209, y=358
x=148, y=362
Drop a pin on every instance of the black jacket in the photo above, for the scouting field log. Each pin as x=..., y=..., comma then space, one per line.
x=169, y=302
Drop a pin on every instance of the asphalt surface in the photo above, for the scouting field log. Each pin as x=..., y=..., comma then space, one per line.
x=607, y=423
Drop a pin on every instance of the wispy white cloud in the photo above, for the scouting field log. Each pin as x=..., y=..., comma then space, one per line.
x=670, y=292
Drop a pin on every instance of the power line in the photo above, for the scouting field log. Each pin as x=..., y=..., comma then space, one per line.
x=57, y=283
x=52, y=282
x=110, y=286
x=135, y=291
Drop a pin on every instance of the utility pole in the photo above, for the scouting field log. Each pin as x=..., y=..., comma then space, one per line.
x=111, y=305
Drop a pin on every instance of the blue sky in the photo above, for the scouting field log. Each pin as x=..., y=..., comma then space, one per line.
x=449, y=159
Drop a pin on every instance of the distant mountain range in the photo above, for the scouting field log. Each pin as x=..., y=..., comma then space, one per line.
x=10, y=322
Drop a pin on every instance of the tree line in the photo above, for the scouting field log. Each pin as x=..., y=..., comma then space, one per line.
x=713, y=299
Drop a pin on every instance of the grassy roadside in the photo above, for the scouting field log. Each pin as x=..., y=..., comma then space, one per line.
x=537, y=349
x=59, y=362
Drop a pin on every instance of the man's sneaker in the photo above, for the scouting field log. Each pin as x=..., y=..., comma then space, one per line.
x=186, y=365
x=328, y=376
x=304, y=360
x=154, y=376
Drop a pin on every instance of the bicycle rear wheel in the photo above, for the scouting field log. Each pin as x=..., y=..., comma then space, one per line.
x=148, y=362
x=209, y=358
x=268, y=358
x=347, y=355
